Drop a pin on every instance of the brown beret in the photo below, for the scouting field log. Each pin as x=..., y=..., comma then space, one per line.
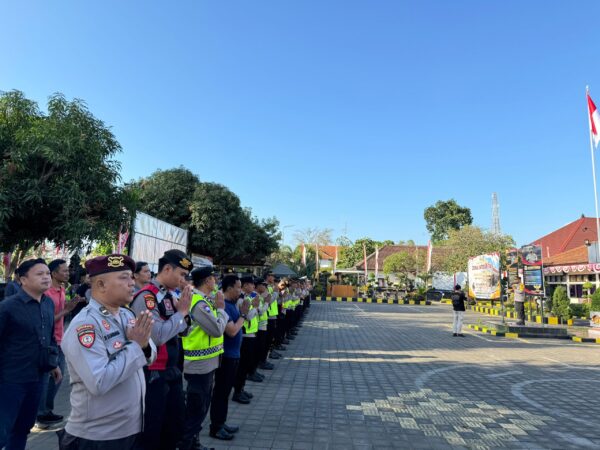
x=110, y=263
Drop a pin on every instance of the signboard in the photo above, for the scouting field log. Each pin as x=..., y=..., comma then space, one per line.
x=595, y=319
x=484, y=276
x=512, y=267
x=446, y=281
x=531, y=258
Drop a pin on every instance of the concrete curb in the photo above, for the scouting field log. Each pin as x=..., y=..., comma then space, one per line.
x=373, y=300
x=516, y=335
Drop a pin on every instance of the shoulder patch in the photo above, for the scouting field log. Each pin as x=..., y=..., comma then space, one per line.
x=150, y=301
x=86, y=335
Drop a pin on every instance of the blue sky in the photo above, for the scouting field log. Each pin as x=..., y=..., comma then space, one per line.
x=335, y=114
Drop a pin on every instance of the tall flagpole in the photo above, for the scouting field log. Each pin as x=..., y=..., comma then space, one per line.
x=587, y=93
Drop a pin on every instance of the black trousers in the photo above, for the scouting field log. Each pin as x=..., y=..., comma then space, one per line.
x=197, y=400
x=259, y=352
x=224, y=379
x=280, y=329
x=165, y=412
x=271, y=331
x=67, y=441
x=246, y=360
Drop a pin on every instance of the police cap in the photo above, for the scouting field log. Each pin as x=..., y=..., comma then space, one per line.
x=178, y=259
x=247, y=279
x=201, y=273
x=110, y=263
x=258, y=281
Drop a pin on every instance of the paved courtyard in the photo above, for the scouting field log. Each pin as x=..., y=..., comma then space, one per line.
x=369, y=376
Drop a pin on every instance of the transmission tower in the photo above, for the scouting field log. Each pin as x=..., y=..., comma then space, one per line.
x=495, y=214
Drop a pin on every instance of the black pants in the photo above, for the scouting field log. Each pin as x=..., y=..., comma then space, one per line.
x=18, y=407
x=246, y=360
x=224, y=379
x=520, y=310
x=67, y=441
x=165, y=412
x=259, y=351
x=198, y=397
x=271, y=331
x=280, y=329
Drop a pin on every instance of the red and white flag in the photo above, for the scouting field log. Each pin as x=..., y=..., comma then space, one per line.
x=365, y=259
x=594, y=120
x=429, y=253
x=335, y=258
x=304, y=255
x=376, y=263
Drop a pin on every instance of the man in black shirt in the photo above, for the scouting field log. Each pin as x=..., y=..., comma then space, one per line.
x=458, y=305
x=27, y=336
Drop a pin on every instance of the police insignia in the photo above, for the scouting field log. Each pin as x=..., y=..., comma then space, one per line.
x=115, y=261
x=150, y=301
x=185, y=263
x=132, y=322
x=117, y=345
x=86, y=335
x=207, y=308
x=106, y=325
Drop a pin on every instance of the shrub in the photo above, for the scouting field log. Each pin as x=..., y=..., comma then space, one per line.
x=595, y=306
x=561, y=303
x=580, y=310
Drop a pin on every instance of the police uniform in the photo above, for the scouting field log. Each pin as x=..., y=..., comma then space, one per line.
x=263, y=326
x=107, y=379
x=165, y=403
x=202, y=347
x=247, y=355
x=272, y=313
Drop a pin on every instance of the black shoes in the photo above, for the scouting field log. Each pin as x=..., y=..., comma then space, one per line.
x=49, y=418
x=280, y=347
x=240, y=398
x=266, y=366
x=222, y=434
x=275, y=356
x=255, y=377
x=460, y=335
x=231, y=429
x=454, y=334
x=248, y=394
x=285, y=341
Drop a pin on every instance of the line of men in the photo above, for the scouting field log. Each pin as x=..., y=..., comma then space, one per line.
x=127, y=364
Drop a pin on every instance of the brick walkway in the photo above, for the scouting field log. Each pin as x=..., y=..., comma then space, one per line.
x=362, y=376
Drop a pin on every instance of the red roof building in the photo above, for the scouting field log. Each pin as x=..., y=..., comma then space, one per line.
x=572, y=235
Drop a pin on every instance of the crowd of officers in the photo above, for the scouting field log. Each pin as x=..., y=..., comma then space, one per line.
x=129, y=350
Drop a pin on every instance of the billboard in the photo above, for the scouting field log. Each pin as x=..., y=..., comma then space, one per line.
x=531, y=258
x=484, y=276
x=446, y=281
x=152, y=237
x=512, y=267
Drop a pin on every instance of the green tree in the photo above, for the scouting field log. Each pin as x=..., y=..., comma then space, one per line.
x=471, y=241
x=59, y=180
x=561, y=303
x=167, y=194
x=445, y=216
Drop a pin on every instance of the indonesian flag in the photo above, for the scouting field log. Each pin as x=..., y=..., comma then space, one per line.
x=365, y=258
x=429, y=253
x=335, y=259
x=594, y=120
x=376, y=262
x=304, y=255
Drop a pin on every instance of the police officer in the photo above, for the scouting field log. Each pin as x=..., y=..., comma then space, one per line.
x=201, y=349
x=263, y=323
x=272, y=313
x=165, y=404
x=106, y=348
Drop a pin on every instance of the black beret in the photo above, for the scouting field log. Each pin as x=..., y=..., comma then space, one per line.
x=110, y=263
x=26, y=265
x=202, y=273
x=247, y=279
x=178, y=259
x=258, y=281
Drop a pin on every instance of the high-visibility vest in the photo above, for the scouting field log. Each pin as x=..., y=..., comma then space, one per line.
x=273, y=310
x=198, y=344
x=265, y=315
x=251, y=326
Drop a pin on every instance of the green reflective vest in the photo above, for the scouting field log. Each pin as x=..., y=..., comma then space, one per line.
x=273, y=310
x=265, y=315
x=198, y=344
x=251, y=326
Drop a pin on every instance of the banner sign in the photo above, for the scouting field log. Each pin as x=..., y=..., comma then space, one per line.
x=531, y=258
x=595, y=268
x=512, y=267
x=484, y=276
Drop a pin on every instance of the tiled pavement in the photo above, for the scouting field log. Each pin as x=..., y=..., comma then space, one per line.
x=362, y=376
